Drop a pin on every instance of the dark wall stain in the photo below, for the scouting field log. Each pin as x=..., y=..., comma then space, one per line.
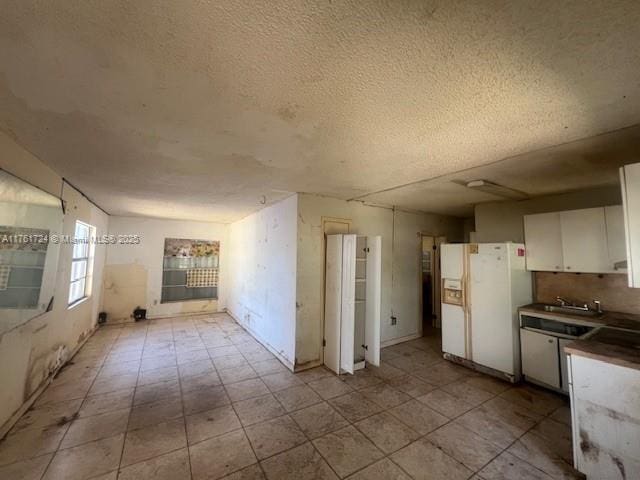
x=589, y=449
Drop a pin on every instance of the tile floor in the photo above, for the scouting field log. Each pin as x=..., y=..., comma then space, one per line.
x=200, y=398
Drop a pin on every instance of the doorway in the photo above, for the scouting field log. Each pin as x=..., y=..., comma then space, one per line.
x=430, y=280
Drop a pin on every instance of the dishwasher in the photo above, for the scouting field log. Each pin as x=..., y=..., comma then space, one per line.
x=542, y=342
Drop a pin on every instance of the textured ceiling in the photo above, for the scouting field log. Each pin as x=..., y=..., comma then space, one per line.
x=208, y=110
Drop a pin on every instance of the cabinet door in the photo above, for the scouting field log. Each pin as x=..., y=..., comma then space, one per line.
x=348, y=311
x=333, y=302
x=564, y=368
x=543, y=239
x=540, y=360
x=616, y=246
x=630, y=180
x=584, y=241
x=372, y=306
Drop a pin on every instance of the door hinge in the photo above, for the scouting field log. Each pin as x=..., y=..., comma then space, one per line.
x=366, y=249
x=324, y=342
x=435, y=247
x=366, y=347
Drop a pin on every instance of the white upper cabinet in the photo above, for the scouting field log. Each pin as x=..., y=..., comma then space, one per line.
x=590, y=240
x=614, y=218
x=543, y=239
x=584, y=241
x=630, y=182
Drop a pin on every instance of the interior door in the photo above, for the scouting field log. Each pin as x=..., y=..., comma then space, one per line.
x=333, y=302
x=373, y=300
x=347, y=316
x=540, y=357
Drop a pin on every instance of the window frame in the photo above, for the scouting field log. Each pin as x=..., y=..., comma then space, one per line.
x=87, y=259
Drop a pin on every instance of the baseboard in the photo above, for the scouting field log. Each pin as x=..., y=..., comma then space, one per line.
x=395, y=341
x=263, y=342
x=8, y=425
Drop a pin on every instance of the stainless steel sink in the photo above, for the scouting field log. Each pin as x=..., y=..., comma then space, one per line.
x=617, y=336
x=571, y=311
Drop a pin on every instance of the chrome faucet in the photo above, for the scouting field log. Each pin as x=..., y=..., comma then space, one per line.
x=563, y=302
x=598, y=305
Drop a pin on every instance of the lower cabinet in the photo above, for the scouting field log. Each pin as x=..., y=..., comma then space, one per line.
x=540, y=358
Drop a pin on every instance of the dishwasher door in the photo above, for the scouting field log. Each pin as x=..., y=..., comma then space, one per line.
x=540, y=358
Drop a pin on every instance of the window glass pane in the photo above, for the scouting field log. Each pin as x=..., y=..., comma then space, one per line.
x=80, y=250
x=76, y=292
x=82, y=230
x=78, y=269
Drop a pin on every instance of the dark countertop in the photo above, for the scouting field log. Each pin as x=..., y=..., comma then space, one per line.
x=607, y=352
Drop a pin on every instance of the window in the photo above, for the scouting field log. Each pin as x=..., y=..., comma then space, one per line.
x=81, y=263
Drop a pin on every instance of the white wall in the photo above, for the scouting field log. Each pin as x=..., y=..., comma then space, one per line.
x=133, y=273
x=262, y=276
x=503, y=221
x=400, y=232
x=30, y=352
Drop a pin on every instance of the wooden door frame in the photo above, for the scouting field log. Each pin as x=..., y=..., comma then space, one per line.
x=324, y=221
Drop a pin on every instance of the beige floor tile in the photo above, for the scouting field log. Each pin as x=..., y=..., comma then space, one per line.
x=225, y=351
x=193, y=369
x=489, y=426
x=157, y=439
x=246, y=389
x=330, y=387
x=153, y=413
x=253, y=472
x=533, y=398
x=31, y=469
x=296, y=398
x=442, y=373
x=31, y=442
x=386, y=432
x=210, y=379
x=509, y=467
x=211, y=423
x=107, y=402
x=562, y=415
x=465, y=446
x=85, y=461
x=411, y=385
x=445, y=403
x=204, y=399
x=190, y=356
x=489, y=384
x=319, y=420
x=230, y=361
x=113, y=383
x=354, y=406
x=67, y=391
x=418, y=416
x=424, y=461
x=468, y=393
x=88, y=429
x=362, y=378
x=258, y=409
x=383, y=469
x=274, y=436
x=314, y=374
x=303, y=462
x=385, y=395
x=258, y=356
x=267, y=367
x=155, y=392
x=557, y=435
x=154, y=363
x=158, y=375
x=237, y=374
x=280, y=381
x=347, y=450
x=48, y=414
x=386, y=371
x=170, y=466
x=233, y=453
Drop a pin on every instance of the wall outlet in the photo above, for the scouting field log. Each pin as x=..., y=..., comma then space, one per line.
x=394, y=320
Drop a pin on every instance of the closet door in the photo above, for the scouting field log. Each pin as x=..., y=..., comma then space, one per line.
x=333, y=302
x=347, y=322
x=372, y=308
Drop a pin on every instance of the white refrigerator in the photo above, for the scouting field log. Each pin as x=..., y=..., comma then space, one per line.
x=483, y=284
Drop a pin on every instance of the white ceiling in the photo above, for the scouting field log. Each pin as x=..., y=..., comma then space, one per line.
x=207, y=110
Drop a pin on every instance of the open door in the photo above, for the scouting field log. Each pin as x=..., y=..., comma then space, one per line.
x=347, y=317
x=372, y=310
x=332, y=302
